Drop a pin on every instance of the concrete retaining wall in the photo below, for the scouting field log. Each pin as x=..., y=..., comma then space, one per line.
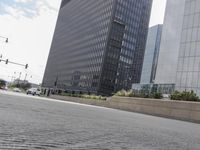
x=81, y=100
x=188, y=111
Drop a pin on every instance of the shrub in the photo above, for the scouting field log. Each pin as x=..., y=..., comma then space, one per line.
x=176, y=95
x=130, y=93
x=157, y=95
x=142, y=95
x=125, y=93
x=96, y=97
x=184, y=96
x=93, y=97
x=102, y=98
x=84, y=96
x=121, y=93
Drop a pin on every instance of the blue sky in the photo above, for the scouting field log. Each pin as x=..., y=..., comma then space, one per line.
x=28, y=8
x=29, y=25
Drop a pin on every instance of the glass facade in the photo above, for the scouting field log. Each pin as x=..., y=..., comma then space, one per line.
x=135, y=15
x=188, y=70
x=170, y=42
x=151, y=54
x=98, y=46
x=152, y=88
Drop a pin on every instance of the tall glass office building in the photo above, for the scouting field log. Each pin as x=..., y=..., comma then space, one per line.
x=147, y=84
x=188, y=70
x=170, y=42
x=98, y=45
x=151, y=55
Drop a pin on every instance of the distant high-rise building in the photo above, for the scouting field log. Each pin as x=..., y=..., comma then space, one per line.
x=188, y=69
x=179, y=58
x=170, y=42
x=147, y=84
x=151, y=55
x=98, y=45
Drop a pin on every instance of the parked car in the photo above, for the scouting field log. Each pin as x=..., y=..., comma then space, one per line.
x=17, y=90
x=34, y=91
x=2, y=84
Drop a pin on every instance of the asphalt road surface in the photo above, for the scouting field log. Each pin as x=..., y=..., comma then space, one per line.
x=34, y=123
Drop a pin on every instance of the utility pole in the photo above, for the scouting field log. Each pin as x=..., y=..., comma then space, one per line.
x=25, y=77
x=6, y=41
x=19, y=77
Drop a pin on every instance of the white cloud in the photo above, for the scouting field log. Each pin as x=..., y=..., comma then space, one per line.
x=22, y=1
x=29, y=40
x=26, y=8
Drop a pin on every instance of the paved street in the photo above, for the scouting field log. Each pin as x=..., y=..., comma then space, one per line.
x=28, y=122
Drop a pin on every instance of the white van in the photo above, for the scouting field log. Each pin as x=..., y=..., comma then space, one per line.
x=34, y=91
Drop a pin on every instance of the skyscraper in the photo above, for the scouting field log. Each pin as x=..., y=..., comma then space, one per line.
x=170, y=42
x=179, y=59
x=98, y=45
x=151, y=55
x=188, y=69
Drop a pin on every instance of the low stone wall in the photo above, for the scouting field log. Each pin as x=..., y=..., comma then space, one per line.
x=188, y=111
x=81, y=100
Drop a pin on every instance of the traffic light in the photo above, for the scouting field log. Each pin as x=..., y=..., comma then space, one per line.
x=26, y=66
x=6, y=61
x=6, y=40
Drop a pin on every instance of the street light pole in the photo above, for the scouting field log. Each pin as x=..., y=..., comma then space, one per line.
x=25, y=77
x=19, y=77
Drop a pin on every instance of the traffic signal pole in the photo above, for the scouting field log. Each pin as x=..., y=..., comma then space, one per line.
x=6, y=60
x=15, y=63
